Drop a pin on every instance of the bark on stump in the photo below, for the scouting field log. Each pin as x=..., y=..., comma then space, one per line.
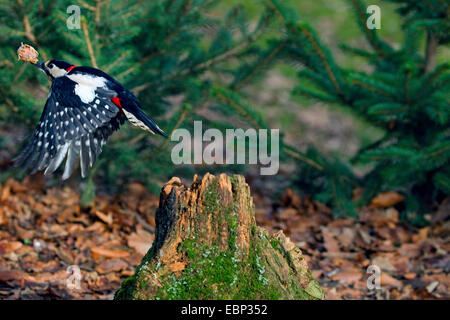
x=207, y=246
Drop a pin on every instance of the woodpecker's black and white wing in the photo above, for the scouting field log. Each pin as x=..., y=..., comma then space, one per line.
x=72, y=126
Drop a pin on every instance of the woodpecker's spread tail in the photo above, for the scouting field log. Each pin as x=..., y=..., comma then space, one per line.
x=150, y=123
x=138, y=118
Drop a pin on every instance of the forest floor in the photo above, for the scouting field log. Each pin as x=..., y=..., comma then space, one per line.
x=43, y=232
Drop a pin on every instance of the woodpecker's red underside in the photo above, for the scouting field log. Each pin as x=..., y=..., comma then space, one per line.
x=116, y=101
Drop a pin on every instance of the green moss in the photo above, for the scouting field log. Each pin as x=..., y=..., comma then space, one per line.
x=276, y=244
x=232, y=224
x=218, y=274
x=211, y=197
x=126, y=290
x=233, y=181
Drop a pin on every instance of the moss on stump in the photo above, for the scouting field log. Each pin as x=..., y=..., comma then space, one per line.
x=207, y=246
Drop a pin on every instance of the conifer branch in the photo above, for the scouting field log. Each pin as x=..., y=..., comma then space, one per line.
x=225, y=55
x=430, y=52
x=26, y=23
x=210, y=62
x=88, y=42
x=267, y=59
x=98, y=5
x=323, y=59
x=431, y=77
x=357, y=51
x=438, y=152
x=429, y=4
x=115, y=62
x=29, y=30
x=86, y=5
x=442, y=84
x=316, y=47
x=133, y=7
x=274, y=8
x=177, y=125
x=18, y=74
x=440, y=69
x=371, y=34
x=169, y=5
x=371, y=88
x=298, y=155
x=314, y=95
x=14, y=108
x=180, y=120
x=6, y=63
x=186, y=6
x=406, y=89
x=238, y=108
x=142, y=61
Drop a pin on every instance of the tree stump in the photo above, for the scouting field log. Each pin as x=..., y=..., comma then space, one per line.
x=207, y=246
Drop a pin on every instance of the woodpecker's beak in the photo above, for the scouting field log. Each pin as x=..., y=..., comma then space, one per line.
x=40, y=65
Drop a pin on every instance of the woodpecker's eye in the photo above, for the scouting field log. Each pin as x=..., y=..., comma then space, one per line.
x=50, y=65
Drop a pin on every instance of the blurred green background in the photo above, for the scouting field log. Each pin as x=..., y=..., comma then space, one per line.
x=218, y=61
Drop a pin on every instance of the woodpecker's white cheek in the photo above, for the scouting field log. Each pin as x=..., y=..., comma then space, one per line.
x=57, y=72
x=86, y=93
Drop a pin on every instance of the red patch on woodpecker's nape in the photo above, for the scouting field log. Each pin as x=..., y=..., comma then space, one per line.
x=116, y=101
x=70, y=68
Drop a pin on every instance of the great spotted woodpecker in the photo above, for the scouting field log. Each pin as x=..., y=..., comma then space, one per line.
x=84, y=107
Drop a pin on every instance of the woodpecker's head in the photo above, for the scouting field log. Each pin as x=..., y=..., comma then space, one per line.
x=54, y=68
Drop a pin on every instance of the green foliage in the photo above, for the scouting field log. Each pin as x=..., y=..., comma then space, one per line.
x=185, y=63
x=404, y=94
x=430, y=15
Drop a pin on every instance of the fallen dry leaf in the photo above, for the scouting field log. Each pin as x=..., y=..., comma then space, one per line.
x=410, y=275
x=348, y=275
x=432, y=286
x=136, y=189
x=7, y=275
x=287, y=214
x=108, y=253
x=111, y=265
x=387, y=280
x=422, y=235
x=141, y=242
x=9, y=246
x=6, y=191
x=108, y=219
x=386, y=199
x=384, y=264
x=329, y=241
